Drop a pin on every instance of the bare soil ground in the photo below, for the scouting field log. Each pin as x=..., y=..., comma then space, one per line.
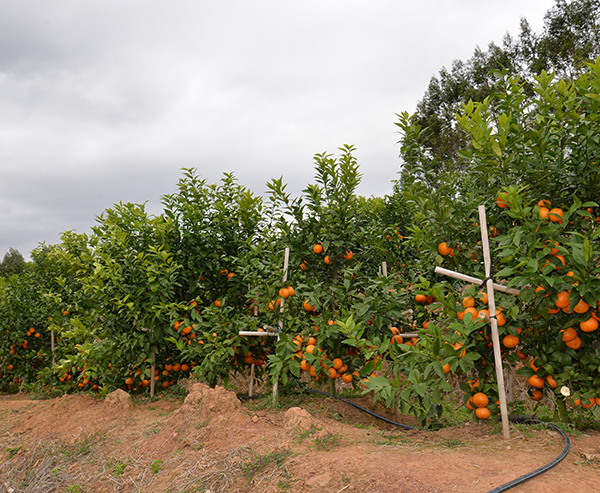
x=209, y=441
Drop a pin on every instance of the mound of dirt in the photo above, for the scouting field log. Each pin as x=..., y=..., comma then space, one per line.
x=210, y=441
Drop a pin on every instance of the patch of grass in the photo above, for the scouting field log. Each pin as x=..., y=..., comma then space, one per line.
x=117, y=468
x=81, y=447
x=301, y=434
x=75, y=488
x=152, y=431
x=12, y=452
x=452, y=443
x=387, y=439
x=156, y=466
x=327, y=441
x=258, y=462
x=202, y=424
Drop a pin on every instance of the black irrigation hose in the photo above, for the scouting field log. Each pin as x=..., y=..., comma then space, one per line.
x=544, y=468
x=514, y=419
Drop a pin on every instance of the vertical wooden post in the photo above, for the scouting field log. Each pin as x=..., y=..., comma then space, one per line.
x=52, y=346
x=286, y=262
x=152, y=377
x=494, y=323
x=251, y=385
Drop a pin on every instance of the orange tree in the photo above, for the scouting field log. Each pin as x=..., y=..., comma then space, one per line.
x=336, y=245
x=127, y=271
x=212, y=225
x=533, y=162
x=25, y=342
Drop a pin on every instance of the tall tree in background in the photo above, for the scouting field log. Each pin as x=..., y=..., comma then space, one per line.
x=12, y=263
x=570, y=37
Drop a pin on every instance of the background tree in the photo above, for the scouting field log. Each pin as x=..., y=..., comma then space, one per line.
x=570, y=37
x=12, y=263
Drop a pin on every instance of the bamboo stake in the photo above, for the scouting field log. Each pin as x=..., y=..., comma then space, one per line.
x=52, y=346
x=286, y=262
x=475, y=280
x=494, y=323
x=251, y=386
x=152, y=371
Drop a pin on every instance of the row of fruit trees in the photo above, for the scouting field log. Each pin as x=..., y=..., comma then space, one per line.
x=143, y=301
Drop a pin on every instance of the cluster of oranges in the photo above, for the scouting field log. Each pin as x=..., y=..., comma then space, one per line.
x=328, y=259
x=331, y=368
x=479, y=402
x=546, y=212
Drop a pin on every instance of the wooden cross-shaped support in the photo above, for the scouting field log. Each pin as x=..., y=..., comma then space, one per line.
x=490, y=287
x=270, y=331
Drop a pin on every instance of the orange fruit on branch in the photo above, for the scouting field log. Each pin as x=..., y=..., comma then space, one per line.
x=317, y=248
x=480, y=399
x=501, y=200
x=483, y=413
x=556, y=215
x=535, y=381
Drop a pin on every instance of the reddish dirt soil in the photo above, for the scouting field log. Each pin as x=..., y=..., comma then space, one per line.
x=210, y=442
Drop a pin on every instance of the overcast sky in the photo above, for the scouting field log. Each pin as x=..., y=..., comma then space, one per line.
x=105, y=101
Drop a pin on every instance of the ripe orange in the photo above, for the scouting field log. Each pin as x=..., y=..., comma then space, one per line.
x=218, y=303
x=482, y=413
x=545, y=203
x=535, y=381
x=446, y=368
x=501, y=200
x=420, y=298
x=444, y=249
x=544, y=211
x=129, y=381
x=304, y=366
x=550, y=379
x=337, y=363
x=575, y=343
x=536, y=395
x=317, y=248
x=474, y=313
x=589, y=325
x=304, y=265
x=327, y=259
x=480, y=399
x=483, y=297
x=581, y=307
x=510, y=341
x=284, y=292
x=348, y=255
x=347, y=377
x=569, y=334
x=291, y=291
x=556, y=215
x=589, y=403
x=332, y=373
x=397, y=339
x=562, y=299
x=468, y=302
x=308, y=307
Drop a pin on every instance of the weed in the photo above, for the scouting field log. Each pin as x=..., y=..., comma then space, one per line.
x=453, y=443
x=258, y=462
x=300, y=435
x=118, y=469
x=75, y=488
x=327, y=441
x=202, y=424
x=81, y=447
x=12, y=451
x=152, y=431
x=156, y=466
